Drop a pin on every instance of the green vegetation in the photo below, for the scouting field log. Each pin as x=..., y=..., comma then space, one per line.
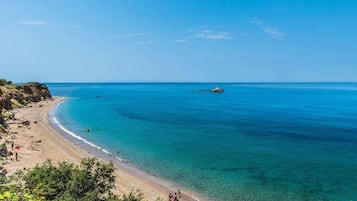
x=92, y=180
x=4, y=82
x=36, y=84
x=25, y=102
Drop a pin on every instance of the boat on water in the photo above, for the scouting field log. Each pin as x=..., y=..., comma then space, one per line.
x=217, y=90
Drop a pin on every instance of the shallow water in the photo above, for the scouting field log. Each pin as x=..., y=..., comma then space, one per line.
x=253, y=142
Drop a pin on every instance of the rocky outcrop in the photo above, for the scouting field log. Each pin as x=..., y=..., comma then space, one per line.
x=5, y=102
x=4, y=152
x=2, y=122
x=35, y=92
x=23, y=94
x=14, y=96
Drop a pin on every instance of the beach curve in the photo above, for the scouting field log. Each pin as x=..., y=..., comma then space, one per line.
x=60, y=144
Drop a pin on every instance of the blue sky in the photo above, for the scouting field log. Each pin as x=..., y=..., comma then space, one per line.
x=178, y=40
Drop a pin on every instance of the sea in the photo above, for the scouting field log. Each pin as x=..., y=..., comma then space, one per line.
x=254, y=142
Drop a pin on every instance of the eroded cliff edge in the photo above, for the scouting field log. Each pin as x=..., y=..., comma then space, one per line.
x=19, y=95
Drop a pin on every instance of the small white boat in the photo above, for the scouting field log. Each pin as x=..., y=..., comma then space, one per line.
x=217, y=90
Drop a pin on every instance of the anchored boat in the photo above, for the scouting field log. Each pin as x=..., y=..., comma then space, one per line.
x=217, y=90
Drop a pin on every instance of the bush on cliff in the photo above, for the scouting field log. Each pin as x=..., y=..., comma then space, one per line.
x=90, y=181
x=4, y=82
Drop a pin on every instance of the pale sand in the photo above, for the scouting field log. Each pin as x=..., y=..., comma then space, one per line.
x=56, y=147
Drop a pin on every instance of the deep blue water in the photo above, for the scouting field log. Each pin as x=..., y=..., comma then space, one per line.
x=253, y=142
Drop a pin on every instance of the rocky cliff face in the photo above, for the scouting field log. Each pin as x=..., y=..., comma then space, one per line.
x=15, y=96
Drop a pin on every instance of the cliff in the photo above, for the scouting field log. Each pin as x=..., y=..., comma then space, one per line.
x=16, y=96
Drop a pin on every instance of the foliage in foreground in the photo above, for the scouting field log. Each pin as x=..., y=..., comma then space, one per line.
x=90, y=181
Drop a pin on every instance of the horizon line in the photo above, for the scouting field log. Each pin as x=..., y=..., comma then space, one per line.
x=203, y=82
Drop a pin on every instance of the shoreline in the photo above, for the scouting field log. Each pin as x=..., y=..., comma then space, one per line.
x=60, y=144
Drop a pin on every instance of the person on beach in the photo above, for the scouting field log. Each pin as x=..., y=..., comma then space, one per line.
x=170, y=196
x=175, y=197
x=12, y=145
x=16, y=155
x=179, y=193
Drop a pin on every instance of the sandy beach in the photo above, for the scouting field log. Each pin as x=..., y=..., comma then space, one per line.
x=40, y=141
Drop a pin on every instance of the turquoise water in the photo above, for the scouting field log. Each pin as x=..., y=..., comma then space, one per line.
x=253, y=142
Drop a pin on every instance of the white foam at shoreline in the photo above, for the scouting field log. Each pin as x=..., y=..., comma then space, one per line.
x=80, y=138
x=57, y=123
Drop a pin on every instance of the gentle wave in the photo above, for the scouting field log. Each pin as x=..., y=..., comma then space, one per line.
x=59, y=125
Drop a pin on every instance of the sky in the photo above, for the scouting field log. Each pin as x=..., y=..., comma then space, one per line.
x=178, y=40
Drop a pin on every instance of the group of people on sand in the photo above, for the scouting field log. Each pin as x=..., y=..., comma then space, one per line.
x=175, y=196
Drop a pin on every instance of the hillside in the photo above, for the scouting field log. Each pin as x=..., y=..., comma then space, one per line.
x=19, y=95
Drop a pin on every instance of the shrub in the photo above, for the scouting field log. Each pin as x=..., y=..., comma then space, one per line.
x=133, y=196
x=3, y=82
x=92, y=180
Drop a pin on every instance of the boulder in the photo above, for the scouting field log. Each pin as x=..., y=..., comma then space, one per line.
x=3, y=151
x=5, y=103
x=25, y=123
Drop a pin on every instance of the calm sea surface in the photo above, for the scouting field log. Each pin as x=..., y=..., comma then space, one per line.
x=253, y=142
